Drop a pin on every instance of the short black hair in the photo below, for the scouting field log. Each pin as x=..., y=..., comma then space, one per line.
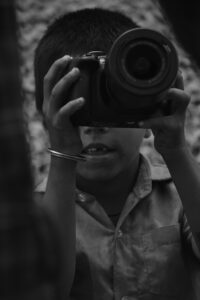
x=76, y=33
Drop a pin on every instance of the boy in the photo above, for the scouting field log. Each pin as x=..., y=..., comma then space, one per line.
x=133, y=240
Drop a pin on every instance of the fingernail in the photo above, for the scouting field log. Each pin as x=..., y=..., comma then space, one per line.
x=80, y=100
x=67, y=57
x=75, y=70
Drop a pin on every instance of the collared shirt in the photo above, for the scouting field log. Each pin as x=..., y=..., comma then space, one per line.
x=148, y=255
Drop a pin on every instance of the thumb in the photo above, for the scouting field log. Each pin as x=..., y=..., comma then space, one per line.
x=156, y=123
x=179, y=83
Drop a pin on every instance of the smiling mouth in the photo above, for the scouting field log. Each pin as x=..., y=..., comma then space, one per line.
x=97, y=150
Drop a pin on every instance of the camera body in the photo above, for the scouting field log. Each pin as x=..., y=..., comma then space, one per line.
x=122, y=87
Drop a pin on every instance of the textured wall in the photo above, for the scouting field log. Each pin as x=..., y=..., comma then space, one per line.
x=35, y=15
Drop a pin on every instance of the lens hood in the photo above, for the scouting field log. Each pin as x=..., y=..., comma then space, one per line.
x=141, y=64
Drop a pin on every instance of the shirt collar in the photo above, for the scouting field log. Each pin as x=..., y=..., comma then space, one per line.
x=148, y=172
x=143, y=184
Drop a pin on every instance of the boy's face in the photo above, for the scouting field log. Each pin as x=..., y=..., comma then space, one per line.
x=111, y=151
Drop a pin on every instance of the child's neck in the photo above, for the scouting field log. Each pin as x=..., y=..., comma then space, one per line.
x=112, y=194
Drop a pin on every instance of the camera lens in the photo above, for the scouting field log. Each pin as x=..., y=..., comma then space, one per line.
x=143, y=62
x=140, y=65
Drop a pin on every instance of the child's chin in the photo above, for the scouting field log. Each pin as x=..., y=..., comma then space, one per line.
x=101, y=174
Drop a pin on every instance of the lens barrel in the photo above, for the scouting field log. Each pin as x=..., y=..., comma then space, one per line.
x=141, y=64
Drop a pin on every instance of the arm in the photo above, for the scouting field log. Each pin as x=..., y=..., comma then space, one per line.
x=185, y=173
x=59, y=199
x=171, y=144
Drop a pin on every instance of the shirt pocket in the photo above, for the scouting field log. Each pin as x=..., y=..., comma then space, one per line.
x=164, y=264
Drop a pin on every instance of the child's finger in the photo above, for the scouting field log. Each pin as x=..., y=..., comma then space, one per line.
x=151, y=123
x=52, y=76
x=59, y=91
x=179, y=83
x=175, y=101
x=67, y=110
x=179, y=100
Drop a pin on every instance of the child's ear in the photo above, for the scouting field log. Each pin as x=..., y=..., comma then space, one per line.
x=147, y=133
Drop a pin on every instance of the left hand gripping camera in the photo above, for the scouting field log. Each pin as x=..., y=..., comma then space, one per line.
x=122, y=87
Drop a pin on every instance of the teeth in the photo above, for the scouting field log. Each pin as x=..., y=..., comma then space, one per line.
x=91, y=150
x=95, y=150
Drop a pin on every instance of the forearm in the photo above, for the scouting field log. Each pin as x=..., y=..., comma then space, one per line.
x=185, y=173
x=59, y=201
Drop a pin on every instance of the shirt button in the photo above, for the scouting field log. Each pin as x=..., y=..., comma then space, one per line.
x=119, y=235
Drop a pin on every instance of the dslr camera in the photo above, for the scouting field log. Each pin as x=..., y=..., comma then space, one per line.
x=122, y=87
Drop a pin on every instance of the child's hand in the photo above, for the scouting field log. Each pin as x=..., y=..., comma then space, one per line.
x=168, y=129
x=58, y=108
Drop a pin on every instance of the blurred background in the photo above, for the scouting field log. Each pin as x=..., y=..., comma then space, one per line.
x=35, y=15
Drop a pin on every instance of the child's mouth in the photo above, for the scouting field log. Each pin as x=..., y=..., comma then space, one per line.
x=97, y=149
